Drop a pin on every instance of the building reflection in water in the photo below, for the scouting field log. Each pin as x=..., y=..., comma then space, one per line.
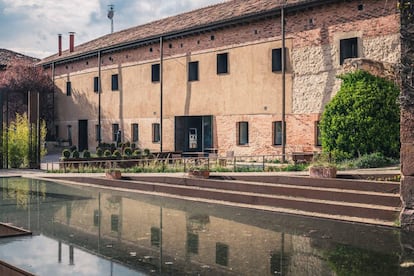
x=166, y=236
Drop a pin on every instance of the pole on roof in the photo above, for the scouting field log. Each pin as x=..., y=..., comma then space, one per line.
x=283, y=84
x=161, y=90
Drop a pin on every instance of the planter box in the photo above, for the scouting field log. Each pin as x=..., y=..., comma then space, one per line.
x=199, y=173
x=322, y=172
x=116, y=174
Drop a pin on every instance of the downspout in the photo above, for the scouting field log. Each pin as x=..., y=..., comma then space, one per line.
x=99, y=99
x=283, y=84
x=161, y=90
x=53, y=101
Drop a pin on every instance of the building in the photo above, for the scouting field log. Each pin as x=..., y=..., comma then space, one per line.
x=213, y=79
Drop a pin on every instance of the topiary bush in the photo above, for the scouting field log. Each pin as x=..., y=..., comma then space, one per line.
x=117, y=154
x=99, y=152
x=66, y=153
x=137, y=153
x=86, y=154
x=127, y=151
x=363, y=118
x=107, y=153
x=75, y=154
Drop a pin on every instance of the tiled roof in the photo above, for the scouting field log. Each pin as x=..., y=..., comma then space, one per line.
x=204, y=17
x=6, y=56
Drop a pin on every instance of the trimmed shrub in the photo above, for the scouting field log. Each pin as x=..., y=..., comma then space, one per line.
x=146, y=153
x=75, y=154
x=86, y=154
x=363, y=118
x=137, y=153
x=127, y=151
x=107, y=153
x=117, y=154
x=66, y=153
x=373, y=160
x=99, y=152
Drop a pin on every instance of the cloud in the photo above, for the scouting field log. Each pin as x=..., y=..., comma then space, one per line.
x=32, y=25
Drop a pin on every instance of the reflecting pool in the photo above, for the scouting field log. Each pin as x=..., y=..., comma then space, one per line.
x=87, y=231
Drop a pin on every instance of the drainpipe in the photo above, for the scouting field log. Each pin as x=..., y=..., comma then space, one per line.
x=99, y=99
x=283, y=84
x=161, y=90
x=53, y=100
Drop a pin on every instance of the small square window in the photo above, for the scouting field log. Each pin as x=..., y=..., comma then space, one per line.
x=348, y=49
x=193, y=71
x=277, y=133
x=222, y=63
x=114, y=83
x=155, y=72
x=134, y=131
x=277, y=59
x=360, y=7
x=242, y=133
x=192, y=243
x=96, y=84
x=68, y=88
x=156, y=133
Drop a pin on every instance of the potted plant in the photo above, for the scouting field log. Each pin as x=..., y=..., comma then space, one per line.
x=322, y=166
x=199, y=172
x=113, y=173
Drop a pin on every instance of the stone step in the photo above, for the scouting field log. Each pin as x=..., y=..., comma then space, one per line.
x=290, y=202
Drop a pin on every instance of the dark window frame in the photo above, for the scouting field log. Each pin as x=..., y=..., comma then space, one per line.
x=135, y=132
x=156, y=135
x=348, y=48
x=68, y=88
x=115, y=129
x=277, y=133
x=96, y=84
x=277, y=59
x=242, y=133
x=155, y=72
x=318, y=141
x=115, y=82
x=155, y=236
x=222, y=63
x=114, y=223
x=222, y=254
x=193, y=71
x=98, y=132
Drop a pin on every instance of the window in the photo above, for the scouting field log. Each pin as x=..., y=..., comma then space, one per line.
x=222, y=63
x=115, y=82
x=134, y=132
x=155, y=72
x=114, y=223
x=318, y=141
x=98, y=133
x=222, y=254
x=96, y=84
x=193, y=71
x=68, y=88
x=115, y=129
x=192, y=243
x=155, y=133
x=277, y=59
x=242, y=133
x=348, y=49
x=277, y=133
x=155, y=236
x=96, y=217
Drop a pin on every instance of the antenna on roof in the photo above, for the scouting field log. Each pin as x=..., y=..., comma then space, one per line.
x=111, y=12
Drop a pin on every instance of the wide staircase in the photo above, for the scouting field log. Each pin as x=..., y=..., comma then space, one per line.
x=373, y=202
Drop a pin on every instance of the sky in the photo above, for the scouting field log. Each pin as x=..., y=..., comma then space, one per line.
x=31, y=27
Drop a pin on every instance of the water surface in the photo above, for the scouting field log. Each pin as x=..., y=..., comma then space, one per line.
x=87, y=231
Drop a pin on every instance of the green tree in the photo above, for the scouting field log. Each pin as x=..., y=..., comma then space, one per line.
x=21, y=141
x=362, y=118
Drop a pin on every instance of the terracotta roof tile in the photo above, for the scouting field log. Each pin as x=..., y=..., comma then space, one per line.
x=203, y=17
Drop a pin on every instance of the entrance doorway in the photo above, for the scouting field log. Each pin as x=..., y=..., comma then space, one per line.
x=83, y=135
x=193, y=133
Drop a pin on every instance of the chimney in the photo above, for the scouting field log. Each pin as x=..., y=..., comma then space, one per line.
x=71, y=42
x=60, y=44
